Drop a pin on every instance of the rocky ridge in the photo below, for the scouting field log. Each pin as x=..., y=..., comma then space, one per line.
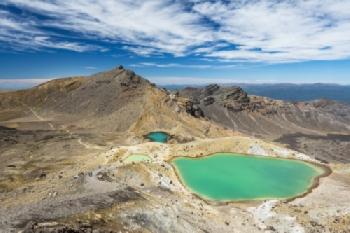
x=277, y=120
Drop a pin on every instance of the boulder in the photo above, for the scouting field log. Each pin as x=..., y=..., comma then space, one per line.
x=208, y=100
x=194, y=109
x=234, y=106
x=130, y=80
x=103, y=176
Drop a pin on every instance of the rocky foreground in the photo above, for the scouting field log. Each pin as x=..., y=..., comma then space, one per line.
x=64, y=143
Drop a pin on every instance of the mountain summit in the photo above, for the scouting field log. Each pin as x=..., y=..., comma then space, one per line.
x=113, y=101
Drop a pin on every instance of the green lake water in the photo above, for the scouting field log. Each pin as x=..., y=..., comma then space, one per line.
x=230, y=177
x=137, y=158
x=158, y=136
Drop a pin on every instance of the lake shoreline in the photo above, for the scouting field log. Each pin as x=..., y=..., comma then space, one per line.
x=325, y=171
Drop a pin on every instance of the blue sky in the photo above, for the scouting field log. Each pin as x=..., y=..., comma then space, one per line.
x=176, y=41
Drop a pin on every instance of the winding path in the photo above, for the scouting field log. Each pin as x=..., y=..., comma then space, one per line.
x=71, y=135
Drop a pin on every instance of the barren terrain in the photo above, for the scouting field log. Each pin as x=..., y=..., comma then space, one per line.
x=63, y=146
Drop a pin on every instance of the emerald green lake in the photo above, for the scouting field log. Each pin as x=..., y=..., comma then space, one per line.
x=230, y=177
x=158, y=136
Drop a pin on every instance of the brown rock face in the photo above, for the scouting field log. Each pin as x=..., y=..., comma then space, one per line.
x=234, y=99
x=271, y=119
x=237, y=100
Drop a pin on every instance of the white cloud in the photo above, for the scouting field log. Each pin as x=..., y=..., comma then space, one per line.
x=186, y=65
x=28, y=81
x=174, y=80
x=280, y=31
x=44, y=41
x=20, y=83
x=143, y=51
x=90, y=67
x=186, y=80
x=160, y=24
x=21, y=35
x=170, y=65
x=270, y=31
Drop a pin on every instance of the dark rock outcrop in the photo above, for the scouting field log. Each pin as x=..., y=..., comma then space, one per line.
x=193, y=109
x=54, y=227
x=237, y=94
x=131, y=80
x=208, y=100
x=237, y=100
x=211, y=89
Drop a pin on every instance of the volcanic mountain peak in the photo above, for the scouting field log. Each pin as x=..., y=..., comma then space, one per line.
x=114, y=101
x=99, y=86
x=124, y=77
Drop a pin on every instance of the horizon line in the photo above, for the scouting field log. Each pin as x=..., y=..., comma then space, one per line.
x=23, y=83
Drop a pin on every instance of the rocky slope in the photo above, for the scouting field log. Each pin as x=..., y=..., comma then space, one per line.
x=278, y=120
x=114, y=101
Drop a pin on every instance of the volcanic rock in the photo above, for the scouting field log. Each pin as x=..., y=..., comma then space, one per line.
x=211, y=89
x=277, y=120
x=208, y=100
x=193, y=109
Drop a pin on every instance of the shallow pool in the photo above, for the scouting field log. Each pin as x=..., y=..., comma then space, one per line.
x=230, y=177
x=137, y=158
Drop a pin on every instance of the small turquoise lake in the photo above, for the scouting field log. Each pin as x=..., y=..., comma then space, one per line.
x=236, y=177
x=158, y=136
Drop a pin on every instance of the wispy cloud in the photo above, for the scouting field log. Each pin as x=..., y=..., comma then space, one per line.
x=22, y=35
x=143, y=51
x=210, y=63
x=20, y=83
x=171, y=80
x=160, y=24
x=90, y=67
x=170, y=65
x=279, y=31
x=187, y=80
x=271, y=31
